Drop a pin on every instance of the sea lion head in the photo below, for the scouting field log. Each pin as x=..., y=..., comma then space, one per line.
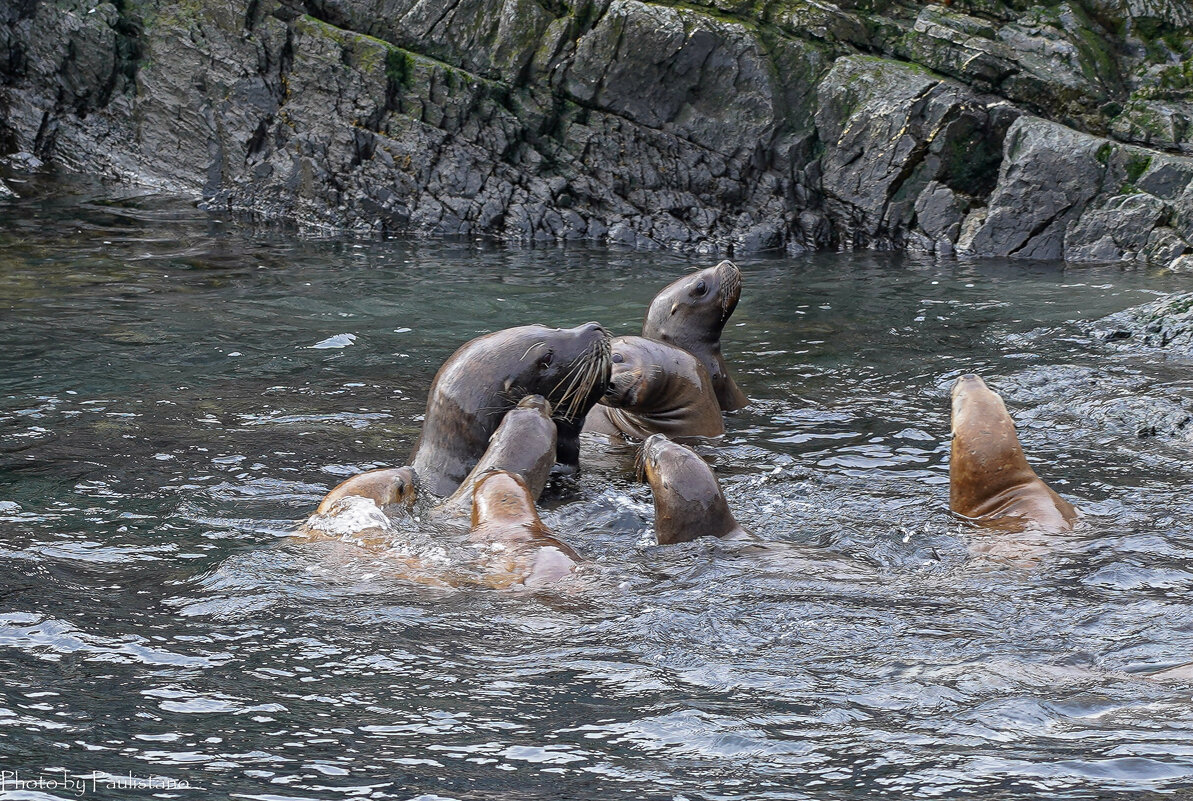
x=404, y=487
x=524, y=444
x=569, y=367
x=488, y=376
x=503, y=514
x=656, y=388
x=502, y=498
x=384, y=487
x=631, y=379
x=985, y=456
x=688, y=501
x=695, y=307
x=691, y=314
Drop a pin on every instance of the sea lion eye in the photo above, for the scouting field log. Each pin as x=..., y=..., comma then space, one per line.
x=618, y=358
x=545, y=361
x=701, y=287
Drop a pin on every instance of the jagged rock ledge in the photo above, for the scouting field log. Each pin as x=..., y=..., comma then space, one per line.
x=1058, y=130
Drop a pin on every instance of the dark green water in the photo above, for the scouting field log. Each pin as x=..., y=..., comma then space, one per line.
x=167, y=416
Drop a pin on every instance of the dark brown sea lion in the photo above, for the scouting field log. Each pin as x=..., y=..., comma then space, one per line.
x=990, y=481
x=520, y=549
x=688, y=502
x=385, y=487
x=524, y=444
x=691, y=313
x=656, y=388
x=486, y=377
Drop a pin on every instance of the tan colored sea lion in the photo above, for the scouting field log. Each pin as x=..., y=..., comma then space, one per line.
x=688, y=501
x=519, y=549
x=356, y=510
x=486, y=377
x=990, y=481
x=524, y=444
x=691, y=313
x=385, y=487
x=656, y=388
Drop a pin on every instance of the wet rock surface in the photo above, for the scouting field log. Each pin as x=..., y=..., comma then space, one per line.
x=1143, y=393
x=978, y=128
x=1165, y=325
x=1121, y=403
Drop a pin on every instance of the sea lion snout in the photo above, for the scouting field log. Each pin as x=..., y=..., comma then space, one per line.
x=969, y=381
x=648, y=457
x=536, y=402
x=653, y=443
x=593, y=327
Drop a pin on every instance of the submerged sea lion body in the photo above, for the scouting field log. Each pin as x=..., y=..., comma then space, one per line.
x=521, y=550
x=524, y=444
x=691, y=313
x=385, y=487
x=990, y=481
x=688, y=501
x=355, y=511
x=486, y=377
x=656, y=388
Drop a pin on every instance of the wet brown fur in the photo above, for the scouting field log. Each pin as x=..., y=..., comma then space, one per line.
x=688, y=500
x=990, y=480
x=656, y=388
x=681, y=315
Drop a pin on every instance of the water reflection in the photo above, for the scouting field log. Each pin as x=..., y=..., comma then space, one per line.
x=165, y=420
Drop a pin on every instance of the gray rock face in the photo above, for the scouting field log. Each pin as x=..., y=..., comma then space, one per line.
x=1064, y=194
x=901, y=143
x=708, y=126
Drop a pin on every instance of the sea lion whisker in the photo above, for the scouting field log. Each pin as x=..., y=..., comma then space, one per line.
x=567, y=398
x=640, y=465
x=579, y=388
x=570, y=377
x=590, y=379
x=532, y=347
x=574, y=398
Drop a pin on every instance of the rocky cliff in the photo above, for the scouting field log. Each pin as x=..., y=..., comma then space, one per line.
x=976, y=126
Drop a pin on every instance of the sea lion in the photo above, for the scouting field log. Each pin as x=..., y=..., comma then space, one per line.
x=356, y=510
x=990, y=481
x=521, y=549
x=656, y=388
x=524, y=444
x=691, y=313
x=688, y=502
x=486, y=377
x=385, y=487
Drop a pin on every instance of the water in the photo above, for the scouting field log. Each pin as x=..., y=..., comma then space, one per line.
x=178, y=391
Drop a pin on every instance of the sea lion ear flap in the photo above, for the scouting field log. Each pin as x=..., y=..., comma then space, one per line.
x=508, y=385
